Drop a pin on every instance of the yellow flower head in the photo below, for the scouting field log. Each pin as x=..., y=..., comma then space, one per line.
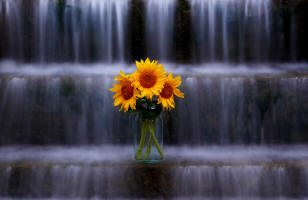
x=149, y=78
x=126, y=93
x=170, y=88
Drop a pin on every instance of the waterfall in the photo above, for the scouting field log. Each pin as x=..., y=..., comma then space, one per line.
x=159, y=28
x=85, y=172
x=72, y=181
x=103, y=31
x=239, y=133
x=78, y=110
x=73, y=30
x=13, y=27
x=88, y=25
x=220, y=25
x=251, y=182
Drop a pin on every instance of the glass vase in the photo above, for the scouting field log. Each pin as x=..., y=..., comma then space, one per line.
x=148, y=139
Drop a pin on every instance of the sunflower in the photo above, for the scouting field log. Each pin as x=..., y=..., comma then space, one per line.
x=149, y=78
x=170, y=88
x=126, y=93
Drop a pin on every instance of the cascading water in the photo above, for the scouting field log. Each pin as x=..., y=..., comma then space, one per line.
x=221, y=25
x=84, y=172
x=236, y=108
x=66, y=30
x=159, y=28
x=12, y=26
x=104, y=31
x=239, y=133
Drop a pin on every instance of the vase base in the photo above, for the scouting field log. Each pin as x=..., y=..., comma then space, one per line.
x=149, y=161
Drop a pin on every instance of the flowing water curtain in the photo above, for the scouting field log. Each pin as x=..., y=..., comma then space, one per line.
x=159, y=28
x=225, y=29
x=239, y=181
x=76, y=111
x=241, y=110
x=73, y=30
x=201, y=181
x=94, y=30
x=109, y=18
x=11, y=28
x=73, y=111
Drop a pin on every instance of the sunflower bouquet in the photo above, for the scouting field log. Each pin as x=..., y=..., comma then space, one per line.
x=147, y=91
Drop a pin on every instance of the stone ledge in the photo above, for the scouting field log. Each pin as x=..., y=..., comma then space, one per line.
x=153, y=181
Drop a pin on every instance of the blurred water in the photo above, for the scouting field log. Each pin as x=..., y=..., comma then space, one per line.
x=240, y=30
x=65, y=29
x=108, y=31
x=231, y=155
x=240, y=132
x=159, y=28
x=61, y=104
x=105, y=172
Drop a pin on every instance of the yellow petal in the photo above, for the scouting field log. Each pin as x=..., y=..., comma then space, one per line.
x=139, y=65
x=122, y=74
x=147, y=61
x=178, y=93
x=117, y=101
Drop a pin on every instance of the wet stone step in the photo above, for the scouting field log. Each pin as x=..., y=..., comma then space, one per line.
x=222, y=105
x=109, y=172
x=162, y=180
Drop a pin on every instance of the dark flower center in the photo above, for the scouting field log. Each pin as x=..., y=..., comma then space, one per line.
x=167, y=91
x=147, y=80
x=127, y=91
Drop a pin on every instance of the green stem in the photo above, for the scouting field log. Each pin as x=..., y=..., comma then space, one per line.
x=142, y=139
x=149, y=146
x=156, y=142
